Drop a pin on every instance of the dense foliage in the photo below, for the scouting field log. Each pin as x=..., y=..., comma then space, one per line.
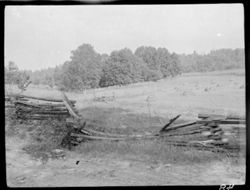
x=82, y=71
x=221, y=59
x=121, y=68
x=89, y=69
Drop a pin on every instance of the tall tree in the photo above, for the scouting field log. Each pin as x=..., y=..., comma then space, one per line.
x=149, y=56
x=159, y=60
x=164, y=59
x=83, y=70
x=122, y=67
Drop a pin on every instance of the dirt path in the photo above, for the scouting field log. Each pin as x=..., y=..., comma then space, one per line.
x=22, y=171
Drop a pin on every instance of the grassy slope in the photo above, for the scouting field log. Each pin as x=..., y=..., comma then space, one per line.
x=189, y=94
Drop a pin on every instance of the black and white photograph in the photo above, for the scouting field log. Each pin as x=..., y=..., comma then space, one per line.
x=125, y=95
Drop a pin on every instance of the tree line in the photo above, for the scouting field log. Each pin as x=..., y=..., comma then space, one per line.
x=221, y=59
x=89, y=69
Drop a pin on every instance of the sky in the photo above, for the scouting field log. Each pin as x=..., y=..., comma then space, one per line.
x=38, y=37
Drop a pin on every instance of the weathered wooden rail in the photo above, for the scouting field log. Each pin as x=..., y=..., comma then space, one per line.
x=21, y=96
x=37, y=108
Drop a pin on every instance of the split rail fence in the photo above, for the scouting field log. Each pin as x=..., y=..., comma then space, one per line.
x=208, y=132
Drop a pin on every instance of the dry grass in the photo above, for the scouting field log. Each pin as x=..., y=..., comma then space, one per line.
x=121, y=121
x=151, y=151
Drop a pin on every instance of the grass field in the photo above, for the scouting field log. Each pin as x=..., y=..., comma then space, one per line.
x=220, y=92
x=137, y=108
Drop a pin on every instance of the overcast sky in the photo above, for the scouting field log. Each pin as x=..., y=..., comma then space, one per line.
x=42, y=36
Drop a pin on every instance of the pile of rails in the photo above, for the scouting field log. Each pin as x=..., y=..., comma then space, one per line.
x=36, y=108
x=209, y=132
